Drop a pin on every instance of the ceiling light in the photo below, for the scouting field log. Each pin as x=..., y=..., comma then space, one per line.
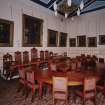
x=69, y=2
x=81, y=5
x=78, y=12
x=56, y=13
x=66, y=15
x=55, y=6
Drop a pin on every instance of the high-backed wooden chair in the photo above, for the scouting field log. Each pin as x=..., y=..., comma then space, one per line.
x=41, y=55
x=30, y=77
x=18, y=57
x=25, y=57
x=78, y=65
x=34, y=54
x=7, y=61
x=50, y=54
x=60, y=89
x=89, y=89
x=73, y=65
x=46, y=55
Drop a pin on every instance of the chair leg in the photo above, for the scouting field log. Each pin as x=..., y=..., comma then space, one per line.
x=24, y=91
x=19, y=87
x=27, y=92
x=33, y=95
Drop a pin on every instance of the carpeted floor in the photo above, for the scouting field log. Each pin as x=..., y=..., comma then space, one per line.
x=10, y=96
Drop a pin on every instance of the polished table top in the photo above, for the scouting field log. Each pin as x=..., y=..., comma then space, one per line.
x=74, y=78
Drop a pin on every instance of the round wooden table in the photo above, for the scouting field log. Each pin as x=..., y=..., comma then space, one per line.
x=74, y=78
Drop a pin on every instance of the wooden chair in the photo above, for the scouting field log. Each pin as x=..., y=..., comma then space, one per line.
x=50, y=54
x=30, y=77
x=79, y=66
x=22, y=80
x=7, y=61
x=41, y=55
x=89, y=89
x=60, y=89
x=18, y=57
x=46, y=55
x=25, y=57
x=101, y=87
x=34, y=54
x=73, y=65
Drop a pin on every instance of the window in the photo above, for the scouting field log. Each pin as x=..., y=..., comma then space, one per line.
x=32, y=31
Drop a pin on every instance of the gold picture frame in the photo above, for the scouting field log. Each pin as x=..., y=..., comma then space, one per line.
x=52, y=38
x=63, y=39
x=6, y=33
x=32, y=31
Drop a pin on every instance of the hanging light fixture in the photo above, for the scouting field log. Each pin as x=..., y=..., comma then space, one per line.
x=66, y=15
x=67, y=6
x=78, y=12
x=55, y=6
x=56, y=13
x=81, y=5
x=69, y=2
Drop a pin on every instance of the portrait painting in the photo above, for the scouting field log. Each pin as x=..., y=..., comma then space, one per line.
x=62, y=39
x=6, y=33
x=52, y=38
x=81, y=41
x=101, y=39
x=72, y=42
x=92, y=41
x=32, y=31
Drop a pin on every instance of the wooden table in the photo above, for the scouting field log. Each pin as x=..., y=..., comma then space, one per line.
x=74, y=78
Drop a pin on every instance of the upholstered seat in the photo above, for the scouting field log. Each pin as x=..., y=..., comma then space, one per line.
x=89, y=89
x=60, y=90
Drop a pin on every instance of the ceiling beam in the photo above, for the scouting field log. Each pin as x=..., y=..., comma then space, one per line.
x=99, y=8
x=88, y=3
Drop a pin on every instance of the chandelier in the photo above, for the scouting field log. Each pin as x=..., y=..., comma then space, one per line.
x=67, y=6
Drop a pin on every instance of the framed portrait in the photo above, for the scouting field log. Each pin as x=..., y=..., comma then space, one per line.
x=101, y=39
x=62, y=39
x=6, y=33
x=92, y=41
x=72, y=42
x=32, y=31
x=52, y=38
x=81, y=41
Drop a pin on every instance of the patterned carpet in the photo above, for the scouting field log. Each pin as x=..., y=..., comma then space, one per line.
x=10, y=96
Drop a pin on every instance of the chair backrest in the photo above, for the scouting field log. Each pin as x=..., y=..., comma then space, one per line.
x=34, y=54
x=25, y=57
x=18, y=57
x=60, y=84
x=46, y=54
x=89, y=87
x=73, y=66
x=21, y=73
x=7, y=61
x=50, y=54
x=42, y=55
x=7, y=57
x=30, y=76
